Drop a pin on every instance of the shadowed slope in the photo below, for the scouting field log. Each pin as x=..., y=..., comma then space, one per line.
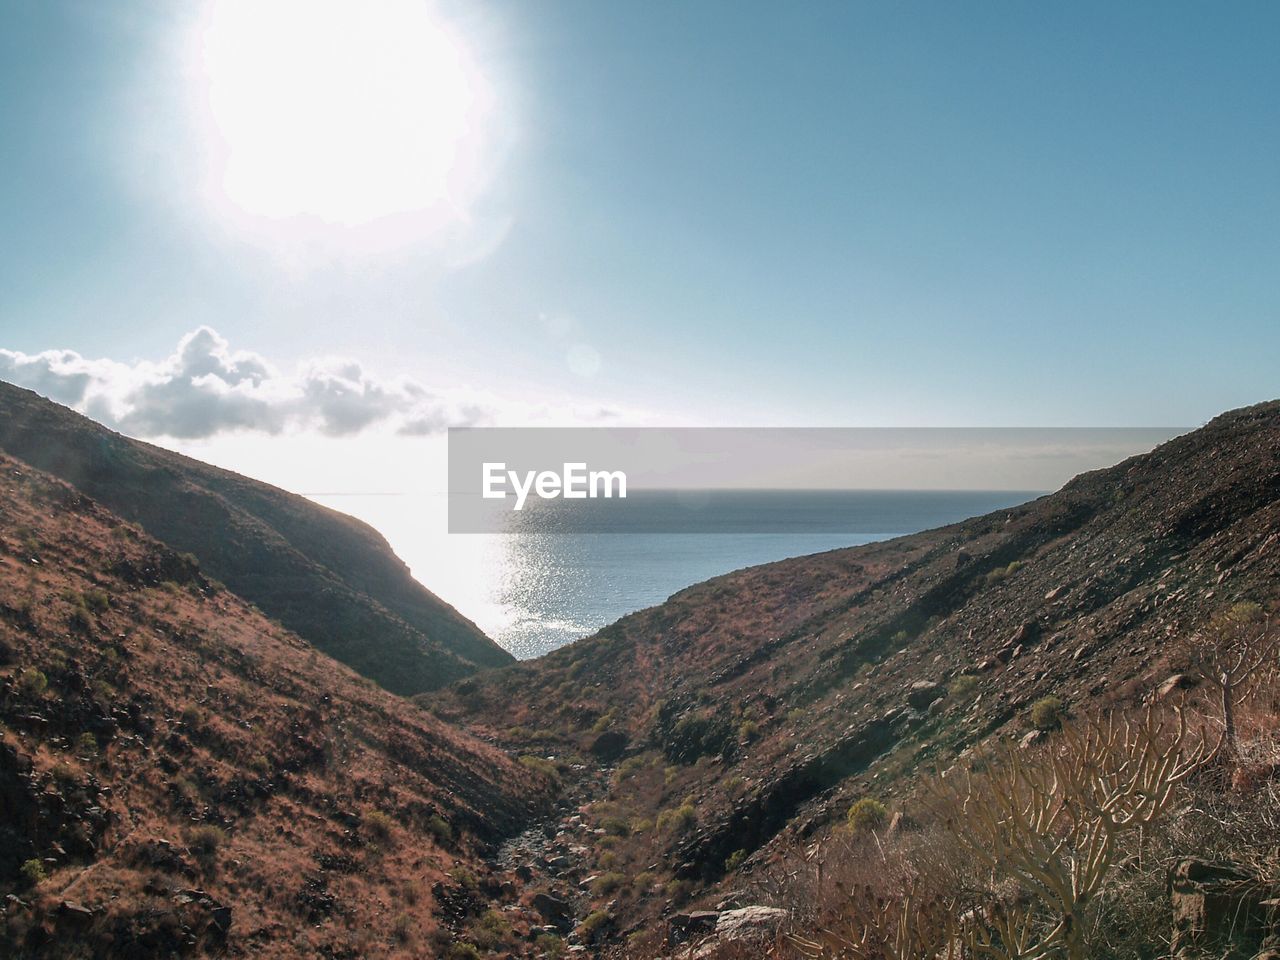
x=326, y=576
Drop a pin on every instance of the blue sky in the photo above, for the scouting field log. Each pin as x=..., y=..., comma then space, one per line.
x=723, y=213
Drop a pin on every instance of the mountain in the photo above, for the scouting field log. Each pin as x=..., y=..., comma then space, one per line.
x=180, y=775
x=742, y=718
x=328, y=577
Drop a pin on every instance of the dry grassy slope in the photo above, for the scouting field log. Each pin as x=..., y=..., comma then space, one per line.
x=326, y=576
x=173, y=707
x=793, y=681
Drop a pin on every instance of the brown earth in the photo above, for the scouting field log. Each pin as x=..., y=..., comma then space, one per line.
x=179, y=775
x=757, y=706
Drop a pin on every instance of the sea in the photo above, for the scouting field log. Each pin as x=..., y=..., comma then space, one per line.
x=565, y=572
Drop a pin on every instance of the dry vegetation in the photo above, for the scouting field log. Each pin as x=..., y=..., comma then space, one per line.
x=1065, y=849
x=180, y=775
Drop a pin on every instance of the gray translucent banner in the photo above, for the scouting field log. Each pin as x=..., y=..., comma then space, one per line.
x=762, y=480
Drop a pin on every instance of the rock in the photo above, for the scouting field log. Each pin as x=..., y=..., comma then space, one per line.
x=1175, y=683
x=1054, y=594
x=684, y=927
x=609, y=746
x=750, y=922
x=1030, y=739
x=1027, y=633
x=922, y=693
x=557, y=912
x=75, y=913
x=1218, y=910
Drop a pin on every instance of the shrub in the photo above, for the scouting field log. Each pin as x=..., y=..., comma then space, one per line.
x=606, y=883
x=593, y=925
x=33, y=872
x=616, y=826
x=678, y=890
x=963, y=685
x=439, y=828
x=540, y=765
x=630, y=766
x=749, y=731
x=204, y=842
x=87, y=745
x=678, y=819
x=866, y=815
x=1000, y=573
x=1047, y=713
x=378, y=825
x=464, y=878
x=491, y=931
x=549, y=945
x=95, y=600
x=463, y=951
x=32, y=682
x=735, y=860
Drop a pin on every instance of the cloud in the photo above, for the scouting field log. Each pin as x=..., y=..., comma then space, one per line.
x=205, y=388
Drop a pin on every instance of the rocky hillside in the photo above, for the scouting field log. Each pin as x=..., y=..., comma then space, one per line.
x=328, y=577
x=179, y=775
x=746, y=714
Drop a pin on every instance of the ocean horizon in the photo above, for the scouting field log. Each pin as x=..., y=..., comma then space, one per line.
x=574, y=568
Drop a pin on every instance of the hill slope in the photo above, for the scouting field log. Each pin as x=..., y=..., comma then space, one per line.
x=179, y=775
x=755, y=707
x=328, y=577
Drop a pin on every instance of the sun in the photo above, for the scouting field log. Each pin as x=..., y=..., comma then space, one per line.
x=346, y=111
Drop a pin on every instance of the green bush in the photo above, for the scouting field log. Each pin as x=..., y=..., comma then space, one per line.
x=1001, y=573
x=491, y=931
x=1047, y=713
x=735, y=860
x=749, y=731
x=541, y=765
x=463, y=951
x=616, y=826
x=606, y=883
x=594, y=924
x=866, y=815
x=86, y=745
x=33, y=872
x=32, y=682
x=549, y=945
x=439, y=828
x=963, y=685
x=678, y=819
x=378, y=825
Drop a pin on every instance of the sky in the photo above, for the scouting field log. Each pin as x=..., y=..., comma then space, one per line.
x=824, y=214
x=301, y=238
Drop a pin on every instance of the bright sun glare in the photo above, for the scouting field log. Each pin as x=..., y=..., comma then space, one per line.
x=343, y=110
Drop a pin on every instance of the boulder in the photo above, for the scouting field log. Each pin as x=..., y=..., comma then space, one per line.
x=749, y=923
x=609, y=746
x=554, y=910
x=922, y=693
x=684, y=927
x=1220, y=911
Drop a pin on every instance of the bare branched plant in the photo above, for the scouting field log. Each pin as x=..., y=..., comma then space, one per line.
x=909, y=927
x=1237, y=647
x=1051, y=822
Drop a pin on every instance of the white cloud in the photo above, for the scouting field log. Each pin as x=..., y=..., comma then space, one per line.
x=205, y=389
